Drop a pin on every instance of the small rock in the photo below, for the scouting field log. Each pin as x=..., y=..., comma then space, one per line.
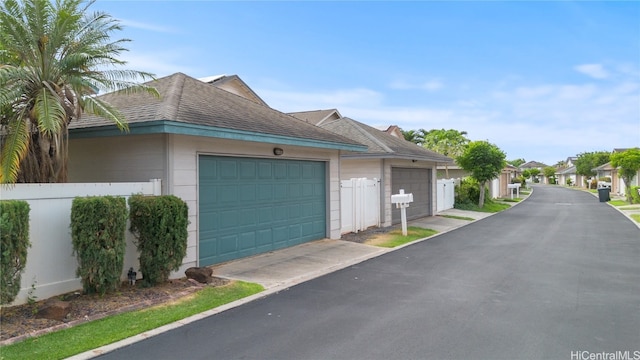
x=199, y=274
x=54, y=309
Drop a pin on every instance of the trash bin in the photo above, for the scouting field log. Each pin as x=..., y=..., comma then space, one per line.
x=603, y=194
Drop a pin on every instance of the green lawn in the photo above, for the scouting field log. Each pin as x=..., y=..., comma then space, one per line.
x=489, y=206
x=618, y=202
x=64, y=343
x=636, y=217
x=395, y=238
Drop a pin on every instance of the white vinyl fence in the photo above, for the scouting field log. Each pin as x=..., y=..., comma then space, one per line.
x=445, y=194
x=359, y=204
x=51, y=266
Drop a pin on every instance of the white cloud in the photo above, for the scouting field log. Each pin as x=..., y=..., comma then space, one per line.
x=431, y=85
x=544, y=122
x=158, y=63
x=290, y=101
x=147, y=26
x=596, y=71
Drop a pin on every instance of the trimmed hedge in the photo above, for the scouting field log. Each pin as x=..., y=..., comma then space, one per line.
x=159, y=224
x=98, y=226
x=635, y=194
x=14, y=236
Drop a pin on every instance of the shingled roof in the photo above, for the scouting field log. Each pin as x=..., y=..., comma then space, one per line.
x=317, y=117
x=380, y=144
x=190, y=106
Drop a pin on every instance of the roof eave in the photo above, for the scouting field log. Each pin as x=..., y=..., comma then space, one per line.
x=180, y=128
x=396, y=156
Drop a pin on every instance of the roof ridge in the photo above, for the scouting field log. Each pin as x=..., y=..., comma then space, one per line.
x=367, y=134
x=171, y=102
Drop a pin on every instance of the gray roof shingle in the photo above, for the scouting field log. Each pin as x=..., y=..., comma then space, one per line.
x=188, y=100
x=380, y=144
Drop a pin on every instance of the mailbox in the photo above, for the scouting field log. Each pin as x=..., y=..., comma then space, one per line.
x=401, y=199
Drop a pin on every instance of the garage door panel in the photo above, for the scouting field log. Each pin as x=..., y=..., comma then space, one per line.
x=418, y=182
x=247, y=240
x=248, y=206
x=264, y=237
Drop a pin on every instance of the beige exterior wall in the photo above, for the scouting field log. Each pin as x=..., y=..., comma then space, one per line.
x=360, y=168
x=174, y=159
x=116, y=159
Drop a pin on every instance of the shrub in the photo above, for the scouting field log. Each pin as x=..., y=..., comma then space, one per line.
x=98, y=226
x=14, y=236
x=468, y=192
x=635, y=194
x=569, y=181
x=160, y=226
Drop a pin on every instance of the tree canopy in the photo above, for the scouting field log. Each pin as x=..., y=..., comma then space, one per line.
x=587, y=161
x=55, y=57
x=414, y=136
x=446, y=142
x=484, y=161
x=628, y=164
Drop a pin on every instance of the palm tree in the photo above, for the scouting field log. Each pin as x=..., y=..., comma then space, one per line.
x=450, y=143
x=414, y=136
x=54, y=57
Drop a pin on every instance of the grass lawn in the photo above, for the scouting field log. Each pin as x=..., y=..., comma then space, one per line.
x=489, y=206
x=395, y=238
x=509, y=199
x=64, y=343
x=618, y=202
x=636, y=217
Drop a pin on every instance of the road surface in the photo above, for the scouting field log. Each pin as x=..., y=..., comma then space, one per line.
x=556, y=277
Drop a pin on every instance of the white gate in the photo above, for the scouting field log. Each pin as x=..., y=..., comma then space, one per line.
x=445, y=194
x=359, y=204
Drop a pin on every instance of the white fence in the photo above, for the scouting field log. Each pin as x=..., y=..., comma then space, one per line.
x=445, y=194
x=51, y=266
x=359, y=204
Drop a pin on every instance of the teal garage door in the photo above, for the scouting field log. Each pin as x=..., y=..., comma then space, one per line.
x=249, y=206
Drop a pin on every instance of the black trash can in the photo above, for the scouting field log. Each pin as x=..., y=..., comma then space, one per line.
x=603, y=194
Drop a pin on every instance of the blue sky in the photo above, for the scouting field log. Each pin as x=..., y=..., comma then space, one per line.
x=543, y=80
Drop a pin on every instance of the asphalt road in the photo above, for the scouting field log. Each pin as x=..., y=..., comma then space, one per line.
x=556, y=277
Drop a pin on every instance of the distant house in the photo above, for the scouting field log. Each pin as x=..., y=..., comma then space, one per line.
x=397, y=163
x=535, y=165
x=617, y=183
x=255, y=179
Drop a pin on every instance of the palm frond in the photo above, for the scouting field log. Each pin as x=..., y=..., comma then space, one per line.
x=49, y=113
x=15, y=145
x=103, y=109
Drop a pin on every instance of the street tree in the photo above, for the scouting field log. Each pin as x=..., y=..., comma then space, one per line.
x=55, y=57
x=587, y=161
x=484, y=161
x=550, y=173
x=628, y=164
x=446, y=142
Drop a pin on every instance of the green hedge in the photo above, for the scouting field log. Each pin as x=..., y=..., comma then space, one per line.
x=14, y=235
x=98, y=226
x=160, y=226
x=635, y=195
